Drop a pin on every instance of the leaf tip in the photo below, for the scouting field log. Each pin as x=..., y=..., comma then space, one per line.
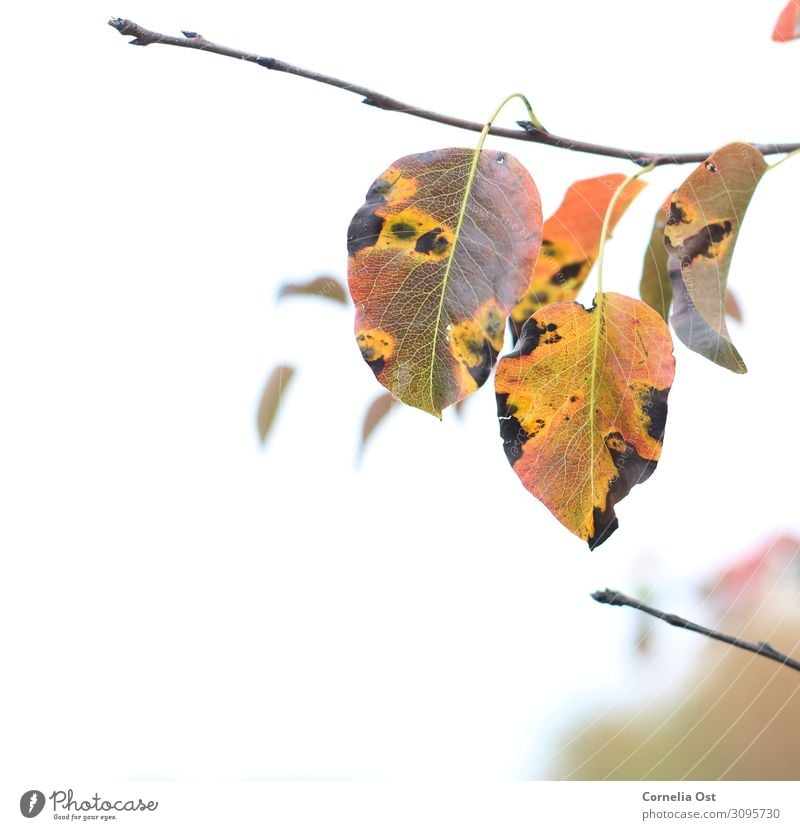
x=602, y=529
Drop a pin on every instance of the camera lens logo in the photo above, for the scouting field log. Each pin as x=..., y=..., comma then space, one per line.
x=31, y=803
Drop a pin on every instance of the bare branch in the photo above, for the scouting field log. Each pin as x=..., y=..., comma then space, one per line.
x=192, y=40
x=611, y=597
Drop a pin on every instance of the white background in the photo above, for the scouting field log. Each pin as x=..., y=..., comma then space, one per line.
x=176, y=601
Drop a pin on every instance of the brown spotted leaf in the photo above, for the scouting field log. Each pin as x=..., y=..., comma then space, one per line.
x=703, y=221
x=788, y=24
x=571, y=242
x=582, y=403
x=377, y=411
x=322, y=287
x=271, y=399
x=655, y=287
x=439, y=253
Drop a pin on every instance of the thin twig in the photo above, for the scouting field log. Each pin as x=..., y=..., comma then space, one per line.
x=611, y=597
x=529, y=132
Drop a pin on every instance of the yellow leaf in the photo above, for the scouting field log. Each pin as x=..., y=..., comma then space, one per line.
x=582, y=403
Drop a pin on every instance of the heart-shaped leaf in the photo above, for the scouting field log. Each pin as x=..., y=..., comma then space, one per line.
x=703, y=221
x=582, y=403
x=439, y=253
x=571, y=242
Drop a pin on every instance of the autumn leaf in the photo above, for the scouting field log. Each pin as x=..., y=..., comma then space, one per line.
x=732, y=307
x=377, y=411
x=322, y=287
x=788, y=25
x=571, y=242
x=703, y=221
x=655, y=287
x=439, y=253
x=271, y=399
x=582, y=403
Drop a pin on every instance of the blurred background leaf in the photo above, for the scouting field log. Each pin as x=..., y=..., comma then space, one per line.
x=271, y=399
x=376, y=413
x=322, y=287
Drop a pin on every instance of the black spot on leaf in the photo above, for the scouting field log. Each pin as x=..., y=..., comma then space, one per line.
x=656, y=409
x=364, y=230
x=677, y=214
x=402, y=230
x=699, y=244
x=366, y=225
x=632, y=469
x=376, y=365
x=568, y=272
x=511, y=431
x=529, y=337
x=432, y=242
x=488, y=354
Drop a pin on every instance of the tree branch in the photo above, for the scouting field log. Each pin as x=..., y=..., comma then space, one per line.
x=611, y=597
x=192, y=40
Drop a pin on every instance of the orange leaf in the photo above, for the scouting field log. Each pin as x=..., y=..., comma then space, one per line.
x=571, y=242
x=271, y=399
x=703, y=222
x=439, y=253
x=788, y=25
x=582, y=403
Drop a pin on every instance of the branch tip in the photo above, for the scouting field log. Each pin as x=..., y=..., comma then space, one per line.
x=610, y=597
x=531, y=128
x=606, y=597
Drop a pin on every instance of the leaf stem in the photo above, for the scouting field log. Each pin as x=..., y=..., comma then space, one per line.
x=607, y=221
x=609, y=596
